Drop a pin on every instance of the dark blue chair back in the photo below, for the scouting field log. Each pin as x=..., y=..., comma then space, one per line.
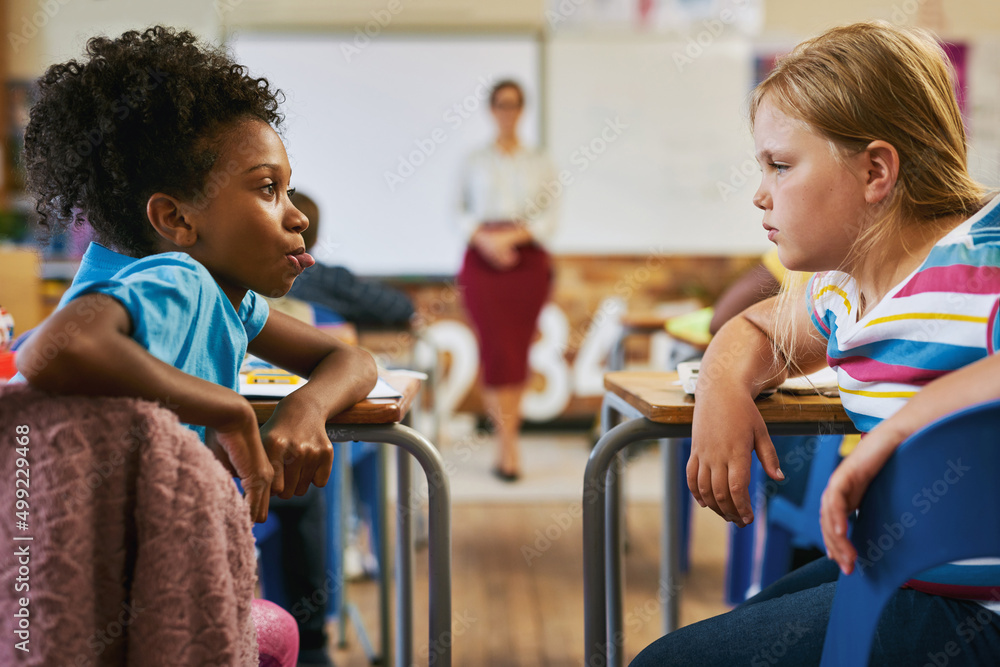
x=957, y=459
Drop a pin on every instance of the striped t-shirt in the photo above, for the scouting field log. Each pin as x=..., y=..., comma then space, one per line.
x=940, y=318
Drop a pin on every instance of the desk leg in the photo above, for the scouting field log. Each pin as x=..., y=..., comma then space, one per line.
x=384, y=580
x=404, y=560
x=670, y=543
x=347, y=611
x=343, y=459
x=595, y=522
x=614, y=576
x=439, y=528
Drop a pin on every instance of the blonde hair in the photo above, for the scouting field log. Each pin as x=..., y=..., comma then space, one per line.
x=864, y=82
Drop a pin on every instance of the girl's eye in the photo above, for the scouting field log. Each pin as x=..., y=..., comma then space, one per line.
x=290, y=192
x=780, y=168
x=269, y=188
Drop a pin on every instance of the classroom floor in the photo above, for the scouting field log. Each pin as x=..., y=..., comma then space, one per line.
x=510, y=612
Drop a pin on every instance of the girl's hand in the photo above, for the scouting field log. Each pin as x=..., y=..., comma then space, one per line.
x=847, y=486
x=740, y=363
x=299, y=450
x=238, y=446
x=972, y=384
x=727, y=429
x=339, y=377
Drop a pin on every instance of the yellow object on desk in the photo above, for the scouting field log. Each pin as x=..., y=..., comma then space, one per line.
x=271, y=376
x=691, y=327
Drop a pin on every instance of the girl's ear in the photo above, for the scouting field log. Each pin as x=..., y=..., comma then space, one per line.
x=882, y=167
x=167, y=215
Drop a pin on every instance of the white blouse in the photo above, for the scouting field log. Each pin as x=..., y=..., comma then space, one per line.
x=522, y=186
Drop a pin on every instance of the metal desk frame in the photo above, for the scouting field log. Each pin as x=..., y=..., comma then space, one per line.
x=411, y=443
x=603, y=547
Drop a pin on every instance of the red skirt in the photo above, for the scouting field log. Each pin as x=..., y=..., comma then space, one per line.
x=504, y=308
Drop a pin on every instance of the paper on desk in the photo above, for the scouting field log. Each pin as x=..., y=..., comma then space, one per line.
x=824, y=381
x=382, y=389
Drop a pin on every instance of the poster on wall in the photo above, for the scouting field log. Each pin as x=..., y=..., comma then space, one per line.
x=713, y=17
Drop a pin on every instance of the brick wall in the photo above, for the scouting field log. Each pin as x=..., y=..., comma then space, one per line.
x=582, y=286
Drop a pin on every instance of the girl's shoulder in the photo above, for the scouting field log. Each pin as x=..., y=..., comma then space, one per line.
x=170, y=277
x=832, y=296
x=103, y=269
x=980, y=230
x=178, y=260
x=171, y=267
x=973, y=245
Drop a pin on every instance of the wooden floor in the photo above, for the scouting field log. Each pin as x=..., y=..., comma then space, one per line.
x=517, y=582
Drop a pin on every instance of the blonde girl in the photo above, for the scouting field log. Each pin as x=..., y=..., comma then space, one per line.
x=865, y=181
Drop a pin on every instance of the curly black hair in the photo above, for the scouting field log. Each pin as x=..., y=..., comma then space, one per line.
x=143, y=114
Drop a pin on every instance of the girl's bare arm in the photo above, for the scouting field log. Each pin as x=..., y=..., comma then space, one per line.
x=86, y=348
x=727, y=429
x=339, y=376
x=975, y=383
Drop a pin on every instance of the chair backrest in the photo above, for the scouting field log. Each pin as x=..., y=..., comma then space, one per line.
x=802, y=521
x=135, y=530
x=901, y=531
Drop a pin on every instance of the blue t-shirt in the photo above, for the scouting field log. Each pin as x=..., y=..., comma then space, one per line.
x=178, y=312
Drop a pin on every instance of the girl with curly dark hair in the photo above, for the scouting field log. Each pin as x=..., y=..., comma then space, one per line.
x=167, y=149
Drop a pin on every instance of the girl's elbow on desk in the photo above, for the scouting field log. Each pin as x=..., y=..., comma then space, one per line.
x=351, y=371
x=367, y=372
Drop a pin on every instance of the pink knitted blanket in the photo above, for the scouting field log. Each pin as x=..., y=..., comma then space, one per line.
x=140, y=550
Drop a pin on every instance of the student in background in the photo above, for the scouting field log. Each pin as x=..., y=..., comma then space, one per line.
x=361, y=302
x=865, y=180
x=761, y=282
x=507, y=213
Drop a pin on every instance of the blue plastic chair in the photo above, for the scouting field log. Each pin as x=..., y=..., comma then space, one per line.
x=751, y=566
x=741, y=564
x=963, y=523
x=791, y=526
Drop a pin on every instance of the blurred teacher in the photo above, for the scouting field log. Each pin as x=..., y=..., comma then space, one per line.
x=507, y=213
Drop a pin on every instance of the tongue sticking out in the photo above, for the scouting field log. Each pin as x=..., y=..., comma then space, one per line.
x=305, y=260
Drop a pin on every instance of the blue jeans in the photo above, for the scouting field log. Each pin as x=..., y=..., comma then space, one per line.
x=785, y=625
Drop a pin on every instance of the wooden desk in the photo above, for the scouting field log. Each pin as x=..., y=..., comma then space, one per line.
x=656, y=407
x=644, y=321
x=368, y=411
x=656, y=397
x=634, y=324
x=379, y=420
x=645, y=324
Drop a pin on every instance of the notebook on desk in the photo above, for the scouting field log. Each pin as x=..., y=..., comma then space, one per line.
x=248, y=389
x=258, y=379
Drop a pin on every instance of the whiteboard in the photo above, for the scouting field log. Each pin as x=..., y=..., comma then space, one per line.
x=680, y=175
x=358, y=111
